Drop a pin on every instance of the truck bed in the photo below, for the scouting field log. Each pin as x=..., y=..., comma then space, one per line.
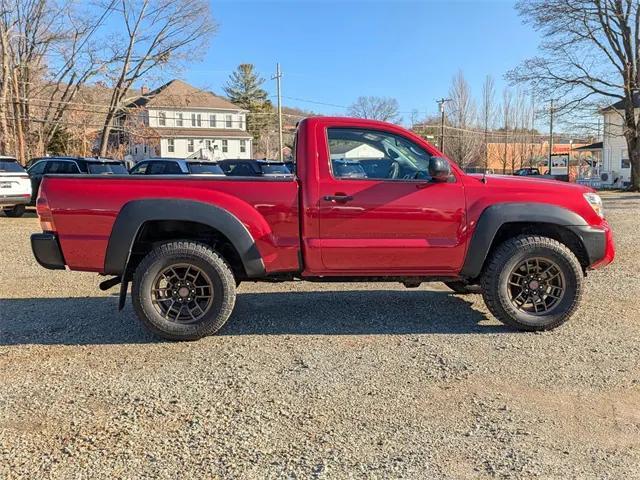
x=84, y=209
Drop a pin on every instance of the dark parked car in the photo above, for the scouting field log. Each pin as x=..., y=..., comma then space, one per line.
x=70, y=166
x=526, y=172
x=253, y=168
x=175, y=166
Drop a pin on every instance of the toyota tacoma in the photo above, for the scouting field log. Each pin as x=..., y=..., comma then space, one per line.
x=367, y=201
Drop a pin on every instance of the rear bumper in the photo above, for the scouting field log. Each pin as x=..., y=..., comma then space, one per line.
x=22, y=199
x=598, y=242
x=47, y=251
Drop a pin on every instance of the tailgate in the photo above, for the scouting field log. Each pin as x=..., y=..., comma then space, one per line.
x=14, y=184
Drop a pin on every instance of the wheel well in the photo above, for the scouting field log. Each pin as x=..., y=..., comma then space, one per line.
x=550, y=230
x=155, y=232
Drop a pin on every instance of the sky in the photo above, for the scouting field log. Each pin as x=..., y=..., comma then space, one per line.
x=331, y=52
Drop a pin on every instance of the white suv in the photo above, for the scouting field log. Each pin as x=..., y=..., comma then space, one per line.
x=15, y=187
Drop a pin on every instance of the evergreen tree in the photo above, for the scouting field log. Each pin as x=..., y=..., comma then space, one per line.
x=244, y=88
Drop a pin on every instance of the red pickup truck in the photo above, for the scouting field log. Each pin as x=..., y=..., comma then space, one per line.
x=369, y=201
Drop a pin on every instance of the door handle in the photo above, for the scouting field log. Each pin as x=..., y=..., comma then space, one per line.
x=338, y=198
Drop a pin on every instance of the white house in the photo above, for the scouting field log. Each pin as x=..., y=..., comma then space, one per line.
x=179, y=120
x=616, y=167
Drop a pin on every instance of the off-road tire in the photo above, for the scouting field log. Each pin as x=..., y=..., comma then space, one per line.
x=496, y=275
x=15, y=211
x=462, y=288
x=202, y=257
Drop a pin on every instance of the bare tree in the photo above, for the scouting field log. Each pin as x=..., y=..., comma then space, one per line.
x=157, y=34
x=591, y=54
x=507, y=116
x=47, y=55
x=464, y=144
x=487, y=113
x=376, y=108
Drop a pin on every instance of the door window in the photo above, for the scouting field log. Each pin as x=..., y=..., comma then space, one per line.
x=140, y=169
x=61, y=168
x=361, y=153
x=37, y=168
x=164, y=168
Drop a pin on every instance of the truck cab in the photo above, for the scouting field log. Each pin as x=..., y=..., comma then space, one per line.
x=369, y=201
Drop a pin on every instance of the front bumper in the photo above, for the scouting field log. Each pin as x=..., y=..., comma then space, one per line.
x=598, y=243
x=47, y=251
x=22, y=199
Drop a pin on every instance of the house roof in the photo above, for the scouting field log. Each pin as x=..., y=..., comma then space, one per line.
x=200, y=133
x=179, y=94
x=590, y=148
x=620, y=105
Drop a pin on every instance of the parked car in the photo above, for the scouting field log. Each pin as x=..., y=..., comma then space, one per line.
x=15, y=188
x=175, y=166
x=71, y=166
x=253, y=168
x=535, y=172
x=527, y=172
x=186, y=242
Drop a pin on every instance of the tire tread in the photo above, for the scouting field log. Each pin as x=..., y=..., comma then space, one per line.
x=490, y=276
x=185, y=248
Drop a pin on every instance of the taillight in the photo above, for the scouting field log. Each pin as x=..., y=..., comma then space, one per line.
x=44, y=213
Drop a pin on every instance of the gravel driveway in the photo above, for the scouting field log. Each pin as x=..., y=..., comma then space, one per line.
x=318, y=381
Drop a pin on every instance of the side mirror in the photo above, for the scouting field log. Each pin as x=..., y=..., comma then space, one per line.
x=439, y=169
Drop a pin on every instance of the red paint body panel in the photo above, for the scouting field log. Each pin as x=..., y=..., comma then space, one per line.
x=85, y=208
x=389, y=228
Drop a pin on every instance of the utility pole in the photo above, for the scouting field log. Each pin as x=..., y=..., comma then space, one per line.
x=569, y=159
x=277, y=78
x=550, y=134
x=441, y=103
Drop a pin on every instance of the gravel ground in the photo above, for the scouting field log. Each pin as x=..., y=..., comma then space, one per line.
x=318, y=381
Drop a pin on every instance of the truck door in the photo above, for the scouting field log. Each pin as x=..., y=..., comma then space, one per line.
x=380, y=212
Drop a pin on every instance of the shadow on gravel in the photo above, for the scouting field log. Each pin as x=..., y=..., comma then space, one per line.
x=30, y=213
x=84, y=321
x=622, y=196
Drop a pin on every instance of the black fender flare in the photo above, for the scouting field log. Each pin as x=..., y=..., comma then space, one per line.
x=136, y=213
x=494, y=216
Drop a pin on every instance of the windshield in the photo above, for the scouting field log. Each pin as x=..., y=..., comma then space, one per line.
x=205, y=167
x=10, y=166
x=107, y=169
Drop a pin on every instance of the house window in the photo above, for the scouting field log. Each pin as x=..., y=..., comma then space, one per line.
x=208, y=144
x=212, y=121
x=193, y=119
x=171, y=147
x=243, y=146
x=228, y=121
x=179, y=119
x=241, y=122
x=225, y=146
x=162, y=119
x=190, y=145
x=624, y=161
x=199, y=120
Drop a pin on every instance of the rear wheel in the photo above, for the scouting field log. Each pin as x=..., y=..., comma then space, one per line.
x=532, y=283
x=183, y=291
x=15, y=211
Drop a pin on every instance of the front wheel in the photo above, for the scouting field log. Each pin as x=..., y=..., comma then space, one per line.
x=15, y=211
x=532, y=283
x=183, y=291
